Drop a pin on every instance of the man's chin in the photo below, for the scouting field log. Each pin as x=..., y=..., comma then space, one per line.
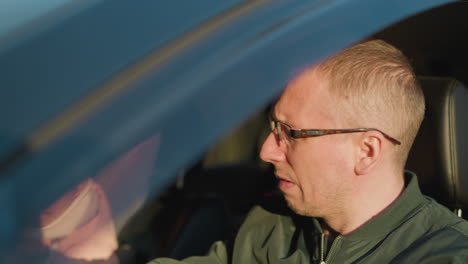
x=294, y=206
x=299, y=209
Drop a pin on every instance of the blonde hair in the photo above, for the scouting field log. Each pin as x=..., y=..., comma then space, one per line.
x=375, y=86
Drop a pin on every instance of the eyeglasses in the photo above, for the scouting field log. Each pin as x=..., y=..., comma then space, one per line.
x=282, y=130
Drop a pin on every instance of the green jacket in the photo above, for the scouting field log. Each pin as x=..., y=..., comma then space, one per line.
x=414, y=229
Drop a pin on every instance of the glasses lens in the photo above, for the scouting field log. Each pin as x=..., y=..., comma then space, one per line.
x=280, y=130
x=283, y=131
x=272, y=125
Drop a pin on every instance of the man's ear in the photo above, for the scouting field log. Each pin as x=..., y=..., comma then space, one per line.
x=369, y=151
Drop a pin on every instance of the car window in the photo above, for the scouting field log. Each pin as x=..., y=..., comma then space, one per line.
x=146, y=157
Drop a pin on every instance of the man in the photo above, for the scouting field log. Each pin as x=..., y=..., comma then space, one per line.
x=344, y=179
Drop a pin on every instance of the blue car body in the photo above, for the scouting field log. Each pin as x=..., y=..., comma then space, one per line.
x=83, y=81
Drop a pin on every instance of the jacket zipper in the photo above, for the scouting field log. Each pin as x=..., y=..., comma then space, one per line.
x=322, y=245
x=332, y=249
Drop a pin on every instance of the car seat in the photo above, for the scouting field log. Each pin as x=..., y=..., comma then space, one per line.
x=440, y=152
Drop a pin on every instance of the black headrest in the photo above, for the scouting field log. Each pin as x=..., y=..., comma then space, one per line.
x=440, y=152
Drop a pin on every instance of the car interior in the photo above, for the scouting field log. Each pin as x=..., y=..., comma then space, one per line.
x=215, y=197
x=211, y=197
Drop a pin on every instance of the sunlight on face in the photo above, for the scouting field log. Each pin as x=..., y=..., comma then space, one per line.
x=311, y=171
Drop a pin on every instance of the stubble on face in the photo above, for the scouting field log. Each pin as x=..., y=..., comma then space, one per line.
x=310, y=162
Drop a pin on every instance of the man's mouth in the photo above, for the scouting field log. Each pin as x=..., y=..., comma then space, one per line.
x=284, y=184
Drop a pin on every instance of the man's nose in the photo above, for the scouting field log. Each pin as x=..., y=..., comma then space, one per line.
x=272, y=150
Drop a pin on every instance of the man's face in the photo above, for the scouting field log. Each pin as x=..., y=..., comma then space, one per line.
x=313, y=172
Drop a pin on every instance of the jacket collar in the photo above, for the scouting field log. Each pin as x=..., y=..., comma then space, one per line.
x=407, y=205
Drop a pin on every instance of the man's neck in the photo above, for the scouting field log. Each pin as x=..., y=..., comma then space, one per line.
x=367, y=204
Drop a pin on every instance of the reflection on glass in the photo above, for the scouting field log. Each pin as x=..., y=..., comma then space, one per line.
x=79, y=225
x=82, y=225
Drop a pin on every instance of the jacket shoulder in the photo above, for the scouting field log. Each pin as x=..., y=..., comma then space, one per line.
x=440, y=217
x=444, y=241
